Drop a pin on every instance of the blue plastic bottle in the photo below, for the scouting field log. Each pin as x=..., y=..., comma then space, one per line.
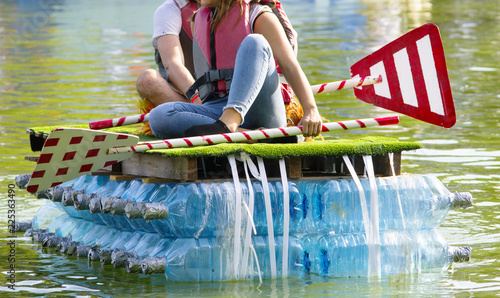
x=141, y=192
x=46, y=214
x=335, y=206
x=77, y=184
x=54, y=224
x=208, y=259
x=95, y=183
x=94, y=234
x=160, y=226
x=147, y=244
x=190, y=213
x=345, y=255
x=111, y=189
x=133, y=241
x=81, y=230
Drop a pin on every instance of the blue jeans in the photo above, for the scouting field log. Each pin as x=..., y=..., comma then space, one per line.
x=255, y=94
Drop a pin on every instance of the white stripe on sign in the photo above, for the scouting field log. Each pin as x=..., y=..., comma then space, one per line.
x=405, y=77
x=424, y=48
x=382, y=88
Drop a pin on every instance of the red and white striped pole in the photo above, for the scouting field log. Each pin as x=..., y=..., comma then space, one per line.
x=316, y=89
x=252, y=135
x=122, y=121
x=351, y=83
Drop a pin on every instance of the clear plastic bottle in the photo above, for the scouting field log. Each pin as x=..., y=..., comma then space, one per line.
x=210, y=259
x=344, y=255
x=94, y=184
x=159, y=195
x=334, y=205
x=46, y=214
x=190, y=210
x=76, y=185
x=111, y=189
x=141, y=192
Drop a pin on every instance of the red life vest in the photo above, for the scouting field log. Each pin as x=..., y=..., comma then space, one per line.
x=214, y=55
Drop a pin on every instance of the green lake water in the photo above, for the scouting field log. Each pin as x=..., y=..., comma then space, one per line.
x=71, y=62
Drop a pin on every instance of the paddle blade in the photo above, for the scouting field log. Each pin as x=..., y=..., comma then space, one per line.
x=70, y=152
x=415, y=78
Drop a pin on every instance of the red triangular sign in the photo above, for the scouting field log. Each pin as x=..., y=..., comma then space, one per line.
x=415, y=78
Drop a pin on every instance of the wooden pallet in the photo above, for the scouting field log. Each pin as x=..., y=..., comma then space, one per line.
x=157, y=168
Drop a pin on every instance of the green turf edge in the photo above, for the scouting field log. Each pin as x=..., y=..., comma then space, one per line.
x=364, y=146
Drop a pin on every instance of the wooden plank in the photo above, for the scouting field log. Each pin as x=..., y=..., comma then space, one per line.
x=158, y=166
x=125, y=177
x=382, y=164
x=294, y=167
x=160, y=180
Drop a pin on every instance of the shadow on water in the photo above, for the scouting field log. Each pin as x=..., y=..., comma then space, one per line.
x=68, y=62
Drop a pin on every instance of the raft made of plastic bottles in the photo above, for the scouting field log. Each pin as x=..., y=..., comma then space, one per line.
x=187, y=230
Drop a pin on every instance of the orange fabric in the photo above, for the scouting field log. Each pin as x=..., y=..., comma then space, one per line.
x=144, y=106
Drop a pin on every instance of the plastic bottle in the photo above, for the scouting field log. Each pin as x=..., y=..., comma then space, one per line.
x=135, y=190
x=92, y=237
x=88, y=182
x=334, y=205
x=147, y=244
x=156, y=195
x=81, y=231
x=111, y=189
x=142, y=194
x=75, y=184
x=210, y=259
x=190, y=211
x=46, y=214
x=94, y=184
x=345, y=255
x=68, y=225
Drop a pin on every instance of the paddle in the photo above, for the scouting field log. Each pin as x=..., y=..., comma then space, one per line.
x=414, y=77
x=71, y=152
x=333, y=86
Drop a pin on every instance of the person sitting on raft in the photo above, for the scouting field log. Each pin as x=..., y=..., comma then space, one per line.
x=172, y=41
x=237, y=79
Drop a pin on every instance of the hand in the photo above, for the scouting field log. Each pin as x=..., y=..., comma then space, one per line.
x=311, y=123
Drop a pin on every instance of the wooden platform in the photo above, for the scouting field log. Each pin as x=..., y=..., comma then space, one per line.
x=154, y=168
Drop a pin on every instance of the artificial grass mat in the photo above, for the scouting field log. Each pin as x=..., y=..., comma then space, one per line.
x=364, y=146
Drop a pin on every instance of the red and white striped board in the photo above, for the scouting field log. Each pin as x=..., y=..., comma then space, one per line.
x=69, y=153
x=414, y=77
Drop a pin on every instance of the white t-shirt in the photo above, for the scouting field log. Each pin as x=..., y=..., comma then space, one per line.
x=168, y=19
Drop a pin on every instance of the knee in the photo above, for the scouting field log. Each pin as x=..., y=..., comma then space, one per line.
x=157, y=121
x=147, y=79
x=164, y=119
x=255, y=42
